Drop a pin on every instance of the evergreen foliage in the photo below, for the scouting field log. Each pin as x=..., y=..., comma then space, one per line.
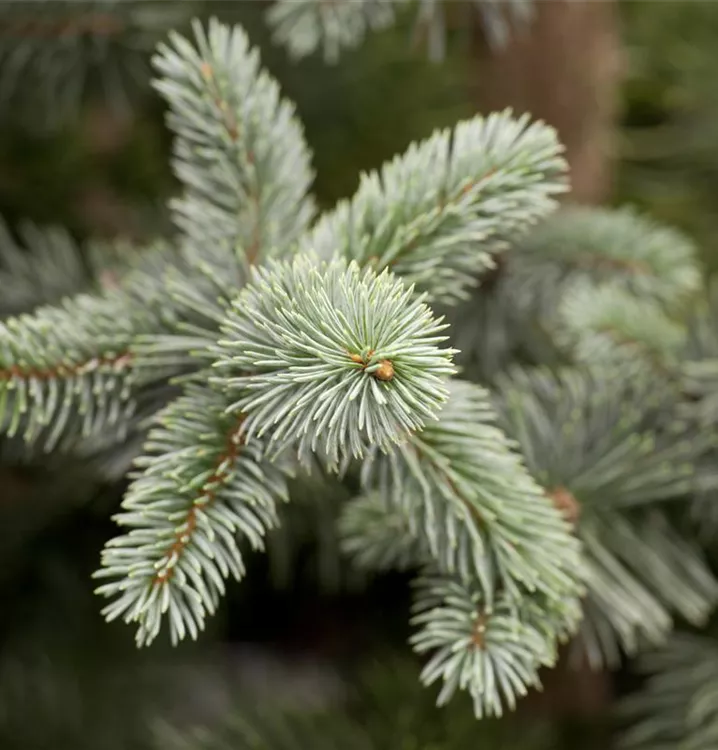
x=608, y=450
x=677, y=708
x=182, y=541
x=304, y=26
x=328, y=359
x=468, y=498
x=239, y=150
x=536, y=503
x=602, y=245
x=47, y=266
x=52, y=53
x=496, y=176
x=67, y=371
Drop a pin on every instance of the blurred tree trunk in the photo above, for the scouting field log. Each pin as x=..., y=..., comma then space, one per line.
x=563, y=66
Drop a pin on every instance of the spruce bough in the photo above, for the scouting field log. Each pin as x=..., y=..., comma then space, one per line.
x=297, y=340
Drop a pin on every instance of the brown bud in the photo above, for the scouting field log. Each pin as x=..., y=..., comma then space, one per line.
x=564, y=500
x=206, y=70
x=385, y=371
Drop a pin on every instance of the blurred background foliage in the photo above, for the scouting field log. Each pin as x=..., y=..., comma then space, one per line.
x=668, y=155
x=101, y=168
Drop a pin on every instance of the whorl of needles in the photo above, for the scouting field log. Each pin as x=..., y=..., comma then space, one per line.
x=333, y=357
